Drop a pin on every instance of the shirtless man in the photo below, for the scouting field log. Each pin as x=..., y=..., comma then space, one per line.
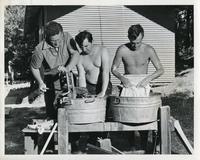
x=136, y=56
x=93, y=66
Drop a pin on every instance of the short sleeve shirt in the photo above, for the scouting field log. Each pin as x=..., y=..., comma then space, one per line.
x=53, y=58
x=44, y=51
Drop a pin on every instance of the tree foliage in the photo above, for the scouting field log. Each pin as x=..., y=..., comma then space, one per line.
x=18, y=49
x=184, y=38
x=14, y=21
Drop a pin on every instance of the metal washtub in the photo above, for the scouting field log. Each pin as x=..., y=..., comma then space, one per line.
x=86, y=110
x=135, y=109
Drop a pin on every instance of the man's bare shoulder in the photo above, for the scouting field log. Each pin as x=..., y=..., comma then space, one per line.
x=122, y=49
x=148, y=48
x=100, y=48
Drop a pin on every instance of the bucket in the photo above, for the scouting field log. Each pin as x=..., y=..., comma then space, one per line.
x=135, y=109
x=86, y=110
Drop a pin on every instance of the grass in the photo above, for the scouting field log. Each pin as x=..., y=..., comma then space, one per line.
x=182, y=109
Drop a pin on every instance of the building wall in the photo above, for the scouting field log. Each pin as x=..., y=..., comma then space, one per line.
x=109, y=26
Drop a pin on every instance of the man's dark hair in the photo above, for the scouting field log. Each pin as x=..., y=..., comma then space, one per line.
x=82, y=36
x=134, y=31
x=52, y=28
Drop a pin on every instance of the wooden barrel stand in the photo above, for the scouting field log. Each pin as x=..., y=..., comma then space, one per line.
x=161, y=125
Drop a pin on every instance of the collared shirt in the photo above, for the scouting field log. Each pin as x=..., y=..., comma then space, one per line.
x=52, y=56
x=47, y=57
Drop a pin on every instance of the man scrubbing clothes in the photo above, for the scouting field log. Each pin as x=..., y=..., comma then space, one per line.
x=136, y=57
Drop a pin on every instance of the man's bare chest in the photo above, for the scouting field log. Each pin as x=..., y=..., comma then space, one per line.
x=90, y=63
x=136, y=58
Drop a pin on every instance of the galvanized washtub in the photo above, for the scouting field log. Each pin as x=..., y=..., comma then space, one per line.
x=86, y=110
x=135, y=109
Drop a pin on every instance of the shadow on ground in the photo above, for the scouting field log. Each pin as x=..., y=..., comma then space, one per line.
x=15, y=96
x=15, y=122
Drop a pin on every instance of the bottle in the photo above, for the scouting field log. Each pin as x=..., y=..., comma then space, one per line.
x=63, y=82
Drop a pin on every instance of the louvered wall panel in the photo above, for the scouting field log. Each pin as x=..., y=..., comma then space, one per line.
x=85, y=18
x=109, y=26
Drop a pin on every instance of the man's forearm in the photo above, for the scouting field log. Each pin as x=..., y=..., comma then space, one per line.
x=153, y=76
x=73, y=62
x=53, y=71
x=117, y=74
x=105, y=81
x=157, y=73
x=81, y=80
x=36, y=74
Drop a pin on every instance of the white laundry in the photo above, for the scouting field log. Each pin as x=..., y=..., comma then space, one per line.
x=135, y=91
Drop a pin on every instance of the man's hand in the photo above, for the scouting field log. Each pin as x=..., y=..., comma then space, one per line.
x=43, y=87
x=101, y=95
x=126, y=83
x=63, y=69
x=142, y=83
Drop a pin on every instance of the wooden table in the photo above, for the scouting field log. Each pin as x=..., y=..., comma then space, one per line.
x=162, y=125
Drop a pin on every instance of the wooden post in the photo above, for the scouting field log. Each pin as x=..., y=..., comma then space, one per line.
x=62, y=132
x=165, y=132
x=31, y=143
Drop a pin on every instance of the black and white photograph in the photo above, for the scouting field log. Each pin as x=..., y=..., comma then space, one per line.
x=99, y=79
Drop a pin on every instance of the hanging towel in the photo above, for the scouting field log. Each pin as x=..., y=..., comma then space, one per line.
x=134, y=91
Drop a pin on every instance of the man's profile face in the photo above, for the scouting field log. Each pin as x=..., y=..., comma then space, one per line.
x=55, y=40
x=135, y=44
x=86, y=46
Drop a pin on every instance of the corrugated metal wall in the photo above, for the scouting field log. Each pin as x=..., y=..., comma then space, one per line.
x=109, y=26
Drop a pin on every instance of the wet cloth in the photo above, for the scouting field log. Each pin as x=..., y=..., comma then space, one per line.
x=134, y=91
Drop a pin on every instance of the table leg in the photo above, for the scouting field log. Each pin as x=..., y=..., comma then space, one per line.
x=165, y=133
x=31, y=143
x=63, y=135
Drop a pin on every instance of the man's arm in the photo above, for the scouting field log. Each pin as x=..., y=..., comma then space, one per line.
x=81, y=74
x=36, y=62
x=116, y=63
x=36, y=74
x=72, y=46
x=159, y=68
x=74, y=57
x=73, y=61
x=105, y=65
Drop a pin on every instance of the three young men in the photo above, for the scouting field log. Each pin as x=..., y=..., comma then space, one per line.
x=58, y=53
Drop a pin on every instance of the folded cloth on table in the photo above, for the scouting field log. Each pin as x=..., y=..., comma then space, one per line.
x=41, y=125
x=135, y=91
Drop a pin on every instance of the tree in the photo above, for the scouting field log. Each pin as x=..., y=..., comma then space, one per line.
x=18, y=49
x=14, y=21
x=184, y=38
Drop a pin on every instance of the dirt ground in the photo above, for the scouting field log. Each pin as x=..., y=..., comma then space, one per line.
x=19, y=113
